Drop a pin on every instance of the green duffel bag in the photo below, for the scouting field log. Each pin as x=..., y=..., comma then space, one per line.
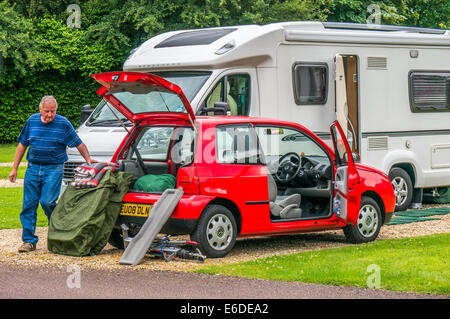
x=155, y=183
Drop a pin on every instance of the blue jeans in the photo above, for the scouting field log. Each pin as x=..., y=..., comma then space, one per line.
x=42, y=184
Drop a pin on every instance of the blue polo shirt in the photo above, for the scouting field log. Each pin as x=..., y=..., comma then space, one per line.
x=48, y=141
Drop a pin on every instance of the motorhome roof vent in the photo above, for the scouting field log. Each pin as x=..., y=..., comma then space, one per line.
x=376, y=63
x=377, y=143
x=198, y=37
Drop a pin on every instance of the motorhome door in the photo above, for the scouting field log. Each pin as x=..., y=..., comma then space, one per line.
x=346, y=67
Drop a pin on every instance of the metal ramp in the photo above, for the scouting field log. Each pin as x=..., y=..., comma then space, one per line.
x=160, y=213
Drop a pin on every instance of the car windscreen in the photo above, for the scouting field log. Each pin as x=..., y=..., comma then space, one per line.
x=103, y=116
x=189, y=82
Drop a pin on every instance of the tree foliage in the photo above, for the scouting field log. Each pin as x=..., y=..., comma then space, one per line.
x=40, y=53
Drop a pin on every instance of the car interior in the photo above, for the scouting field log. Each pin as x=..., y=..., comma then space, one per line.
x=300, y=179
x=158, y=150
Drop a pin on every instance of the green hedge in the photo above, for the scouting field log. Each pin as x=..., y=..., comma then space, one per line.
x=40, y=54
x=20, y=100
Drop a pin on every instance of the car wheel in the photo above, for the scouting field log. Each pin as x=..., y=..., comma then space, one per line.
x=368, y=225
x=403, y=188
x=216, y=231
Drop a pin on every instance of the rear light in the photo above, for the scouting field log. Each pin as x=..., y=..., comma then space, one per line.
x=187, y=178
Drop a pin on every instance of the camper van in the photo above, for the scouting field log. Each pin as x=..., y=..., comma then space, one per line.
x=387, y=86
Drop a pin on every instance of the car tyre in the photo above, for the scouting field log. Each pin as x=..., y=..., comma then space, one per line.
x=403, y=188
x=368, y=225
x=216, y=231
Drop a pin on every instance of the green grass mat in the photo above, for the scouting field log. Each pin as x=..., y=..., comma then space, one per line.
x=418, y=215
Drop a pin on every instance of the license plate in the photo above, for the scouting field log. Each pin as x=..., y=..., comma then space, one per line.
x=140, y=210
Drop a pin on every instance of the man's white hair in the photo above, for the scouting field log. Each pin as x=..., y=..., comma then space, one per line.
x=46, y=99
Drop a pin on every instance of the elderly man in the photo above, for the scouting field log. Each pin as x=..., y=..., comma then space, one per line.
x=47, y=135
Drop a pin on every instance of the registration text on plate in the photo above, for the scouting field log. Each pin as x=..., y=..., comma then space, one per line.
x=140, y=210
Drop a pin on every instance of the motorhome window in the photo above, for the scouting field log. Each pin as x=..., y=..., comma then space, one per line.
x=310, y=82
x=190, y=82
x=200, y=37
x=146, y=99
x=429, y=91
x=237, y=88
x=103, y=116
x=237, y=144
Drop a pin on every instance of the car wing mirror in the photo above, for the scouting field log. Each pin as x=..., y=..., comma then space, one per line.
x=86, y=111
x=219, y=108
x=356, y=157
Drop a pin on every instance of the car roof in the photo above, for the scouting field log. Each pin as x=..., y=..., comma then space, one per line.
x=227, y=119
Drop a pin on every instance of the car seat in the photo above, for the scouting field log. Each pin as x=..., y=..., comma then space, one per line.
x=283, y=206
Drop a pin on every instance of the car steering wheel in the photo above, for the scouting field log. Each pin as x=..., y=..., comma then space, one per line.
x=289, y=168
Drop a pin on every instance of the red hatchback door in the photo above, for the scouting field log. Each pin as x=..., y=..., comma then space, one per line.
x=140, y=96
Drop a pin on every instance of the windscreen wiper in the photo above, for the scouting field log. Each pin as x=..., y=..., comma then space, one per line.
x=103, y=122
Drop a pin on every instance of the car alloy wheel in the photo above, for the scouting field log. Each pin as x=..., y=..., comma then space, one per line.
x=400, y=190
x=403, y=188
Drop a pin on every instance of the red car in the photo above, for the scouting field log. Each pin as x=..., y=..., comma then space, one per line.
x=241, y=176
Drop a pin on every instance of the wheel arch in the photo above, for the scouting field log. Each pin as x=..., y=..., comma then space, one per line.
x=232, y=207
x=409, y=168
x=377, y=198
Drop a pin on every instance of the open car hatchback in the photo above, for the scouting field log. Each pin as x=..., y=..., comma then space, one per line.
x=241, y=176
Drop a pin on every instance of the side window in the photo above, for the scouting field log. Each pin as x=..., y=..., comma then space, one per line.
x=237, y=144
x=183, y=146
x=429, y=91
x=154, y=143
x=279, y=141
x=341, y=152
x=233, y=89
x=310, y=82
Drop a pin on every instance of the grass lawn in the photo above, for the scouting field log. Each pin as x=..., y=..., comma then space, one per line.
x=7, y=152
x=10, y=207
x=418, y=264
x=4, y=172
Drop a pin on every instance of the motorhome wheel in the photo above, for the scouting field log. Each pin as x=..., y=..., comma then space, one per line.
x=403, y=188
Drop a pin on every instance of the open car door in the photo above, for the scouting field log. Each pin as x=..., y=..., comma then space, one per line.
x=346, y=197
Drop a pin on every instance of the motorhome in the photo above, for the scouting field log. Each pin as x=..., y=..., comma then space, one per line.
x=388, y=86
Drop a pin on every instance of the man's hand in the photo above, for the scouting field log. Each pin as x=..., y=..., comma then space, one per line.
x=13, y=175
x=17, y=158
x=85, y=153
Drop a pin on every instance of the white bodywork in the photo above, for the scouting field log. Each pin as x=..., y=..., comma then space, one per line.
x=389, y=132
